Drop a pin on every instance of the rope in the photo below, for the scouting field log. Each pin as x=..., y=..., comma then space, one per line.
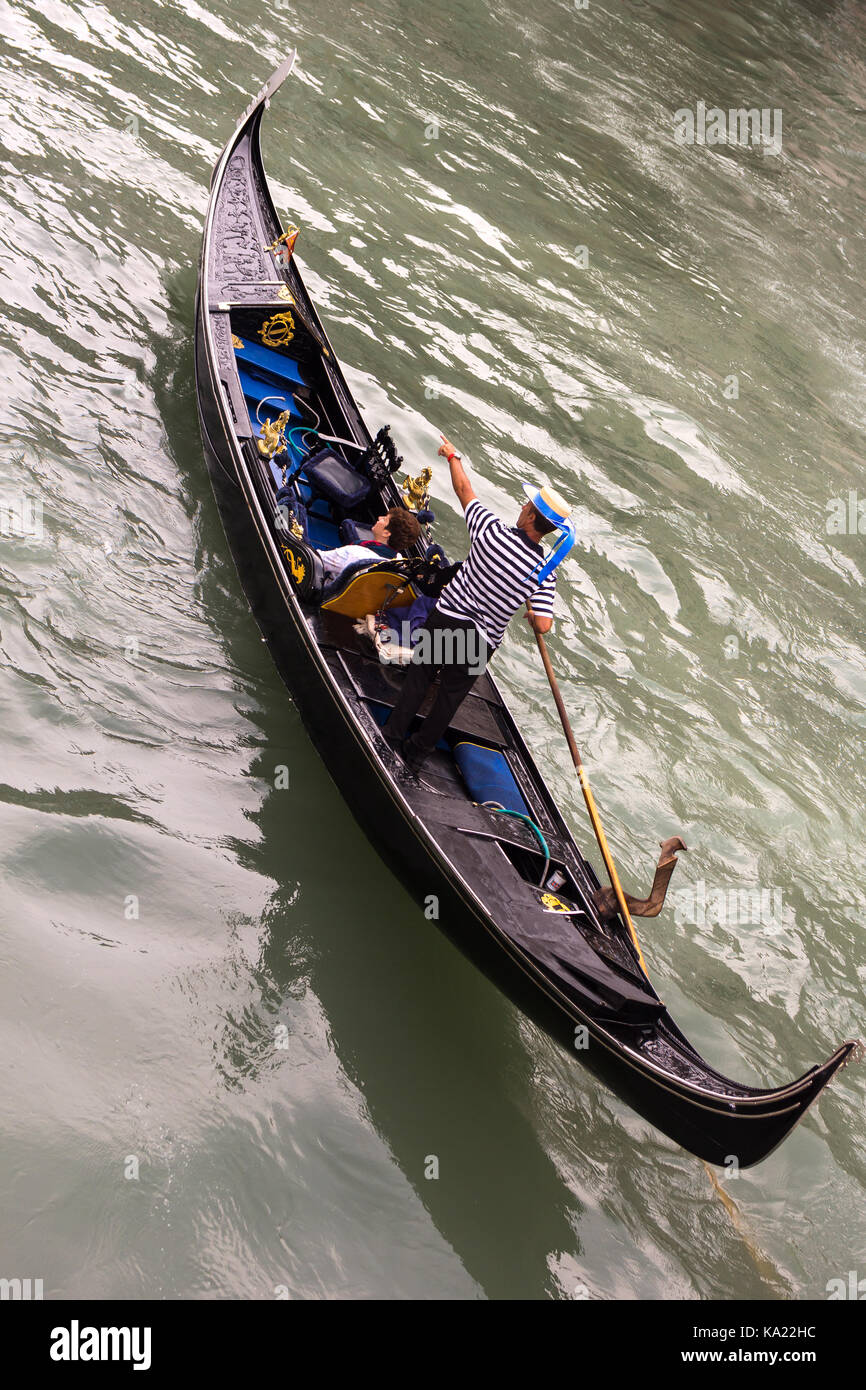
x=305, y=405
x=262, y=401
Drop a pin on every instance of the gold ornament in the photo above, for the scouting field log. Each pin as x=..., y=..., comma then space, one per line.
x=285, y=518
x=297, y=566
x=278, y=330
x=273, y=437
x=285, y=244
x=416, y=490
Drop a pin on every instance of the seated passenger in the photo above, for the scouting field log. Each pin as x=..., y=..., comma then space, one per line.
x=399, y=529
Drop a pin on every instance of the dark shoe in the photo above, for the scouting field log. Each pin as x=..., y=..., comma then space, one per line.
x=412, y=757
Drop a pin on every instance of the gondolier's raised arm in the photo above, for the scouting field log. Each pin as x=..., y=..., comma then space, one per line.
x=459, y=480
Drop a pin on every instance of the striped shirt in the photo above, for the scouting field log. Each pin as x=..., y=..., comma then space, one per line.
x=496, y=579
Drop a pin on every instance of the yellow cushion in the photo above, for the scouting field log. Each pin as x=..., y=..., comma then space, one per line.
x=369, y=590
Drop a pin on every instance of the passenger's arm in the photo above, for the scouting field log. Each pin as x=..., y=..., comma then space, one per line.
x=459, y=480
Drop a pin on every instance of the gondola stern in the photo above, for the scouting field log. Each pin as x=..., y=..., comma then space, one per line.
x=811, y=1086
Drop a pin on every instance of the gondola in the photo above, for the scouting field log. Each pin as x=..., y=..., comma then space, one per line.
x=295, y=469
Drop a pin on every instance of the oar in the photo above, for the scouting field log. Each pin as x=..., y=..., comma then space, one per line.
x=587, y=792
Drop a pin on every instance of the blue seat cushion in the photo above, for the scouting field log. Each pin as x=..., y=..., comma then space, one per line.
x=323, y=534
x=488, y=776
x=331, y=477
x=273, y=366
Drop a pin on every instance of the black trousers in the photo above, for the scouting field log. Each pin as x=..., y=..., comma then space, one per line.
x=455, y=682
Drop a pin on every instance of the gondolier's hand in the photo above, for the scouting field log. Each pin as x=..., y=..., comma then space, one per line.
x=447, y=449
x=539, y=622
x=459, y=480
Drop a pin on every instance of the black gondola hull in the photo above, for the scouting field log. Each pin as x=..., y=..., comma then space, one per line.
x=706, y=1114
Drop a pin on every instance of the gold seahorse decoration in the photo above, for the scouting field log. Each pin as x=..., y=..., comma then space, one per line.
x=416, y=491
x=273, y=435
x=297, y=566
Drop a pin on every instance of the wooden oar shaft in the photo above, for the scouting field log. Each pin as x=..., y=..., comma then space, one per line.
x=587, y=791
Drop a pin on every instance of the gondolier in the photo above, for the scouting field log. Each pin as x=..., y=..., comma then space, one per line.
x=505, y=567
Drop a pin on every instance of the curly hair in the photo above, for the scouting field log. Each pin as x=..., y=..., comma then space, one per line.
x=404, y=529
